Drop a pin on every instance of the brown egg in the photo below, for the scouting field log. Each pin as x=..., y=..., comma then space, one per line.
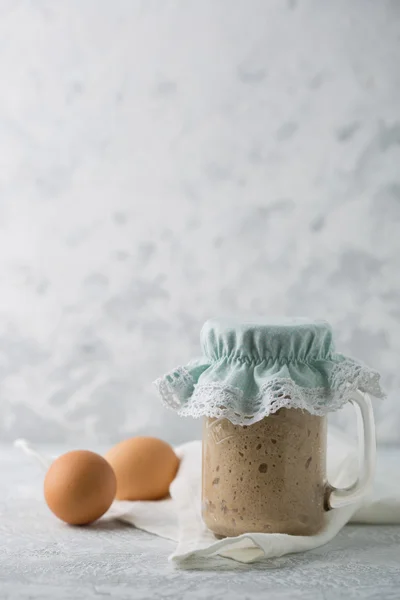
x=144, y=467
x=79, y=487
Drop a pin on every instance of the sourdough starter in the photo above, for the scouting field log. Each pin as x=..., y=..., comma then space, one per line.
x=268, y=477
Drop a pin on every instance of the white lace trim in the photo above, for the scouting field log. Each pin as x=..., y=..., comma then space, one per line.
x=178, y=391
x=175, y=387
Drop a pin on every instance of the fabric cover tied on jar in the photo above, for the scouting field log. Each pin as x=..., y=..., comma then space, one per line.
x=251, y=369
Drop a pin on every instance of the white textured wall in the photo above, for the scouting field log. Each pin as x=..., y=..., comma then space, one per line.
x=162, y=162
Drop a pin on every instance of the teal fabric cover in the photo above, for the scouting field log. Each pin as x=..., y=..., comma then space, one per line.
x=250, y=369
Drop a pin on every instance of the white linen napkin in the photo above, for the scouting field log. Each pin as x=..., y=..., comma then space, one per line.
x=178, y=518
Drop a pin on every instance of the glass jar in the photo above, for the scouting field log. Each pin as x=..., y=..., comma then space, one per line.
x=265, y=388
x=267, y=477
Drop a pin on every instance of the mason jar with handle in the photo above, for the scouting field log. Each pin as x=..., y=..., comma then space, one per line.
x=264, y=390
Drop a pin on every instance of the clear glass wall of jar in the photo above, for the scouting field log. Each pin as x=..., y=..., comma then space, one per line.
x=267, y=477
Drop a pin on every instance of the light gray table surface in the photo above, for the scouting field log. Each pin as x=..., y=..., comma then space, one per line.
x=41, y=558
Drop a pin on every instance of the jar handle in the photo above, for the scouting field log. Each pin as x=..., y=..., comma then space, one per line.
x=338, y=497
